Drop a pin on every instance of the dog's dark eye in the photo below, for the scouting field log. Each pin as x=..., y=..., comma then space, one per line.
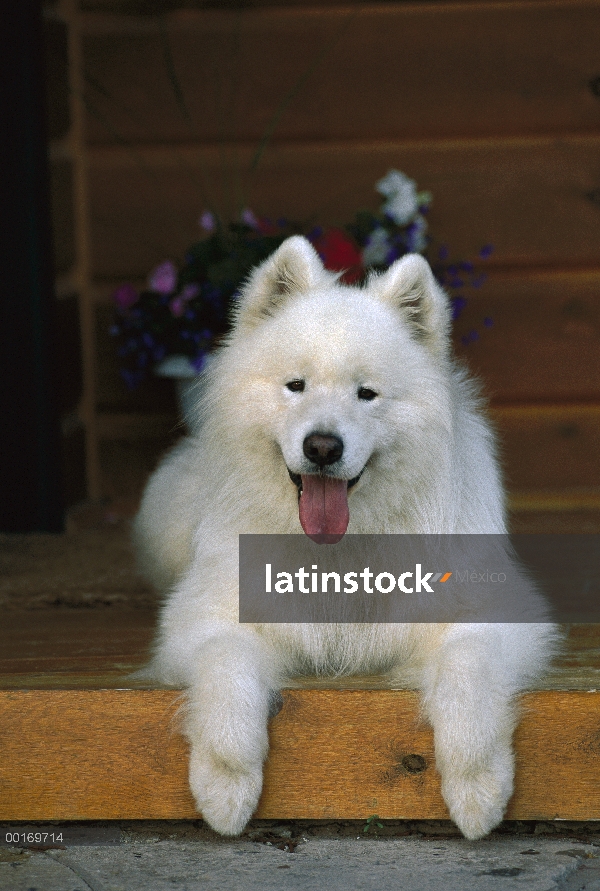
x=366, y=394
x=295, y=386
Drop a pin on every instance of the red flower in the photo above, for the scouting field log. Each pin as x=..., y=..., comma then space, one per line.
x=340, y=253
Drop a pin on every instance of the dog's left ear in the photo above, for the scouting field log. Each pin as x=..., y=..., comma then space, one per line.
x=410, y=286
x=294, y=268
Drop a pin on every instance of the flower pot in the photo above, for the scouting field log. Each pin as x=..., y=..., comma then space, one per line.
x=188, y=384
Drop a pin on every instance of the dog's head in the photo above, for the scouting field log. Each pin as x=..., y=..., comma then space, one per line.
x=335, y=382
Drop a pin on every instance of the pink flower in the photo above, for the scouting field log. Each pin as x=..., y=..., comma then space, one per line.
x=163, y=279
x=262, y=225
x=177, y=306
x=125, y=296
x=190, y=291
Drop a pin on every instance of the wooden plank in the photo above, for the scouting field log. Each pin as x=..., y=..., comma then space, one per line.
x=528, y=197
x=553, y=503
x=545, y=340
x=45, y=646
x=550, y=447
x=138, y=425
x=61, y=649
x=386, y=71
x=81, y=270
x=65, y=649
x=77, y=755
x=82, y=740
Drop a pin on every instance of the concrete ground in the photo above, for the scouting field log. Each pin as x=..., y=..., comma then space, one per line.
x=306, y=856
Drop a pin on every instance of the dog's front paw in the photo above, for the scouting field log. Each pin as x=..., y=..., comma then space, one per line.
x=226, y=796
x=477, y=798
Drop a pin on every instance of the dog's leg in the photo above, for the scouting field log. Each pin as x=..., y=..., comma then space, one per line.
x=468, y=695
x=229, y=703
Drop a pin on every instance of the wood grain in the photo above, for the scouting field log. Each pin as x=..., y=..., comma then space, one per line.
x=550, y=447
x=544, y=344
x=81, y=739
x=77, y=755
x=384, y=71
x=70, y=649
x=528, y=197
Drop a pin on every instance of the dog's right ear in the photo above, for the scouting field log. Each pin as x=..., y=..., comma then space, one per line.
x=294, y=268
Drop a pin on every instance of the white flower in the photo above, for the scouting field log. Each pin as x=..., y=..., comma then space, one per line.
x=376, y=249
x=402, y=197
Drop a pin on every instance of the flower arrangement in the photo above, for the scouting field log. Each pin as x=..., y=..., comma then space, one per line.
x=173, y=324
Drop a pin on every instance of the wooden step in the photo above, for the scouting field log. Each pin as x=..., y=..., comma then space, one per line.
x=82, y=741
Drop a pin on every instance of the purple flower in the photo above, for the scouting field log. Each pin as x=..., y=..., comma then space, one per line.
x=188, y=292
x=163, y=279
x=207, y=221
x=458, y=304
x=212, y=295
x=248, y=217
x=177, y=306
x=488, y=322
x=132, y=378
x=416, y=239
x=199, y=361
x=486, y=250
x=125, y=296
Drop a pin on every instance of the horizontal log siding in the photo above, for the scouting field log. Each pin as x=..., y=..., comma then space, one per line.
x=491, y=106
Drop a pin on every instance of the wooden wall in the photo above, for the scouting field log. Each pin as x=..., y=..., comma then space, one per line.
x=492, y=106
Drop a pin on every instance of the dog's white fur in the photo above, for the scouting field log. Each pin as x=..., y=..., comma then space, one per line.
x=429, y=467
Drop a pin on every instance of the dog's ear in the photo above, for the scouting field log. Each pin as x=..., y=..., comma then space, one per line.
x=294, y=268
x=410, y=286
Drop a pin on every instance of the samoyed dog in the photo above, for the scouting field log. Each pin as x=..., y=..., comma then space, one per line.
x=329, y=409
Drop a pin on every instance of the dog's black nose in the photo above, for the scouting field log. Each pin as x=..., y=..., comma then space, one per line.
x=323, y=448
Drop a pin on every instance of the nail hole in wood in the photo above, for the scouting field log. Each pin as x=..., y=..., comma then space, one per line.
x=414, y=763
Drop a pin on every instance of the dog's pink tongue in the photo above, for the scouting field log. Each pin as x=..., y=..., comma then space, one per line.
x=324, y=513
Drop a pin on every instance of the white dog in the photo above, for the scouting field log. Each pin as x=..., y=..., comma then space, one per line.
x=331, y=408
